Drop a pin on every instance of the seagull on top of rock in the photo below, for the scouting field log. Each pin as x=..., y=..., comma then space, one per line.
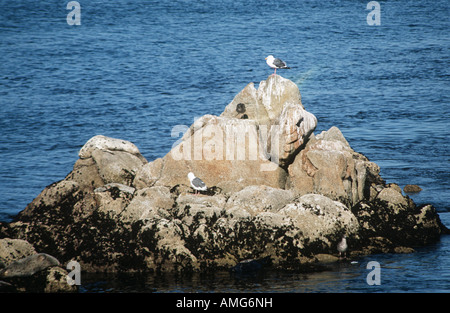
x=342, y=246
x=276, y=63
x=196, y=183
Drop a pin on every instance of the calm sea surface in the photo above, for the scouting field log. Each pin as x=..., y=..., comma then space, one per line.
x=135, y=69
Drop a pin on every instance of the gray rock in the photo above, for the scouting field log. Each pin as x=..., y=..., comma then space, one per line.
x=148, y=203
x=116, y=188
x=292, y=130
x=266, y=103
x=105, y=160
x=321, y=219
x=29, y=265
x=117, y=166
x=257, y=199
x=104, y=143
x=14, y=249
x=56, y=281
x=148, y=174
x=393, y=197
x=113, y=198
x=274, y=93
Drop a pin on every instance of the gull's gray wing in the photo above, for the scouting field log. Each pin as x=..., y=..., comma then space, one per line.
x=280, y=64
x=198, y=183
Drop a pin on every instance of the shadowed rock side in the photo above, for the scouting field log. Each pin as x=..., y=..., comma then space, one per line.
x=276, y=191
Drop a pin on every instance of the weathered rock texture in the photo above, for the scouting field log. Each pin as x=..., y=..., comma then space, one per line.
x=276, y=191
x=277, y=111
x=329, y=166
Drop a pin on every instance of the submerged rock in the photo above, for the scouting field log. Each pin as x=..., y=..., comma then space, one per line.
x=251, y=266
x=412, y=189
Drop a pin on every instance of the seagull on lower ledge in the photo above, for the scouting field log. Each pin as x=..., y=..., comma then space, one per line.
x=197, y=183
x=342, y=246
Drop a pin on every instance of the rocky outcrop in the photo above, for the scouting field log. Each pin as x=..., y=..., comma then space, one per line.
x=275, y=191
x=105, y=160
x=276, y=108
x=251, y=143
x=392, y=221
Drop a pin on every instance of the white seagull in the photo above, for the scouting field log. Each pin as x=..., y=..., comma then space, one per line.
x=276, y=63
x=196, y=183
x=342, y=246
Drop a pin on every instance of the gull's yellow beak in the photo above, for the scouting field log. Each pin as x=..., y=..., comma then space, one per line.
x=266, y=58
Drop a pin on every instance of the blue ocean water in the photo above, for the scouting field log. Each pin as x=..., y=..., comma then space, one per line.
x=136, y=69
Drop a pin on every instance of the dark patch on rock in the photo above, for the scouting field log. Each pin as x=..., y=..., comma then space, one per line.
x=240, y=108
